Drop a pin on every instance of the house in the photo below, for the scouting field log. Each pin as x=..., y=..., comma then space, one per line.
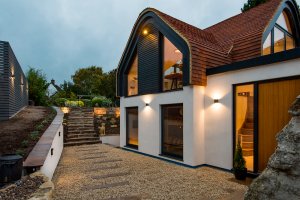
x=13, y=83
x=189, y=95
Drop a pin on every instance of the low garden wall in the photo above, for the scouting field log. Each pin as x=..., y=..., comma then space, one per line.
x=46, y=153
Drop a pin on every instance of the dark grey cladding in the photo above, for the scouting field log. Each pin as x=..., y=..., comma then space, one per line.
x=13, y=83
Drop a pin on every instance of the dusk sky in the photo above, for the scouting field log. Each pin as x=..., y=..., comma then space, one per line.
x=60, y=36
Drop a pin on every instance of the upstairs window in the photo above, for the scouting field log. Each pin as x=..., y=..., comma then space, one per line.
x=132, y=78
x=172, y=66
x=281, y=36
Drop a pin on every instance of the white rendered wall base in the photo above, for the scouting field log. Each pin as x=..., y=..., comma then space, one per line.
x=111, y=139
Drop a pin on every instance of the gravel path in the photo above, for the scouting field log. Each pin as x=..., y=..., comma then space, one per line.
x=112, y=173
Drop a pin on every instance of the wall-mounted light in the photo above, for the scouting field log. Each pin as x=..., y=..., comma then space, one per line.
x=145, y=32
x=12, y=76
x=52, y=151
x=216, y=100
x=147, y=104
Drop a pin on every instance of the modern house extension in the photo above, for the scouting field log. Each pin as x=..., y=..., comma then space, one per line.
x=13, y=83
x=189, y=95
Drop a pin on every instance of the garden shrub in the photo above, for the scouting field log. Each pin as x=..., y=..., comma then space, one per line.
x=87, y=102
x=101, y=101
x=60, y=102
x=74, y=103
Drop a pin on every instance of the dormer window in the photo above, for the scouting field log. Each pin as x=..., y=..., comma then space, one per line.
x=281, y=36
x=132, y=78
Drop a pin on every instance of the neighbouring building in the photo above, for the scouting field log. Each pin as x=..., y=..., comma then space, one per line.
x=189, y=95
x=13, y=83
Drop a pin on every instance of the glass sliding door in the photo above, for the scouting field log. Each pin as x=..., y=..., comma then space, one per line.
x=132, y=127
x=244, y=122
x=172, y=130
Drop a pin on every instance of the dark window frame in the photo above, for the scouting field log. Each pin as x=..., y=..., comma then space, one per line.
x=127, y=127
x=164, y=154
x=127, y=73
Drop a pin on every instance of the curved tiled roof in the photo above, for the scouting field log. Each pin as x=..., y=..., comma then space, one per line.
x=235, y=39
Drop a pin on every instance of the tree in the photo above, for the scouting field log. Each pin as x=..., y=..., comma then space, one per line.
x=37, y=86
x=88, y=81
x=109, y=83
x=251, y=4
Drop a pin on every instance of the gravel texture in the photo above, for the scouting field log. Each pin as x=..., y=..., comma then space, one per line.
x=22, y=189
x=134, y=176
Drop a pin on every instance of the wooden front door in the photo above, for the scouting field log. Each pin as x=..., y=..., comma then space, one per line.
x=274, y=100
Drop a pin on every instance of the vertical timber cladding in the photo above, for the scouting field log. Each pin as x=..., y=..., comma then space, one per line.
x=4, y=81
x=149, y=65
x=13, y=83
x=274, y=100
x=17, y=85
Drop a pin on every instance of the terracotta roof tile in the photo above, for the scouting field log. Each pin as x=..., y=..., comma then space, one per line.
x=234, y=39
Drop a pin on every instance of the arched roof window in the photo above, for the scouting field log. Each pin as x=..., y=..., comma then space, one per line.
x=281, y=37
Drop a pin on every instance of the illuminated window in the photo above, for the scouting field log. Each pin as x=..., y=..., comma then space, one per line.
x=132, y=78
x=132, y=127
x=172, y=69
x=281, y=36
x=267, y=45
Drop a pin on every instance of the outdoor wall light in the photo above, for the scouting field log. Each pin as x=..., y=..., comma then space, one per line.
x=147, y=104
x=216, y=100
x=52, y=151
x=12, y=76
x=145, y=32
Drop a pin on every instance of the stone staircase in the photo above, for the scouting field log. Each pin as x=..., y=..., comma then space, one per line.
x=81, y=129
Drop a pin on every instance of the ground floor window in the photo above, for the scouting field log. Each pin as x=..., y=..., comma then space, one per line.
x=261, y=111
x=132, y=127
x=172, y=130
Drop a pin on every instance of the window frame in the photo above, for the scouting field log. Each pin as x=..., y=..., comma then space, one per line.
x=127, y=128
x=134, y=55
x=162, y=129
x=162, y=59
x=285, y=32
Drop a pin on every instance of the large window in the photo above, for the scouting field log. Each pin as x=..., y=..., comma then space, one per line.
x=172, y=69
x=172, y=130
x=132, y=78
x=281, y=36
x=132, y=127
x=244, y=122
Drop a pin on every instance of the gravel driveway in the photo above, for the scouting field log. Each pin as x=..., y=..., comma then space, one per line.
x=103, y=172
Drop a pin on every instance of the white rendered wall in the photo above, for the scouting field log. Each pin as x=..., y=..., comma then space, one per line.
x=51, y=161
x=111, y=139
x=150, y=122
x=218, y=117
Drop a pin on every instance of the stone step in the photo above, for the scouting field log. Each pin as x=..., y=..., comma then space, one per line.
x=78, y=123
x=81, y=128
x=81, y=135
x=81, y=131
x=81, y=143
x=82, y=139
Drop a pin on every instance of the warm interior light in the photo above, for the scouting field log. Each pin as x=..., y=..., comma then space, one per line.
x=145, y=32
x=147, y=104
x=216, y=100
x=177, y=51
